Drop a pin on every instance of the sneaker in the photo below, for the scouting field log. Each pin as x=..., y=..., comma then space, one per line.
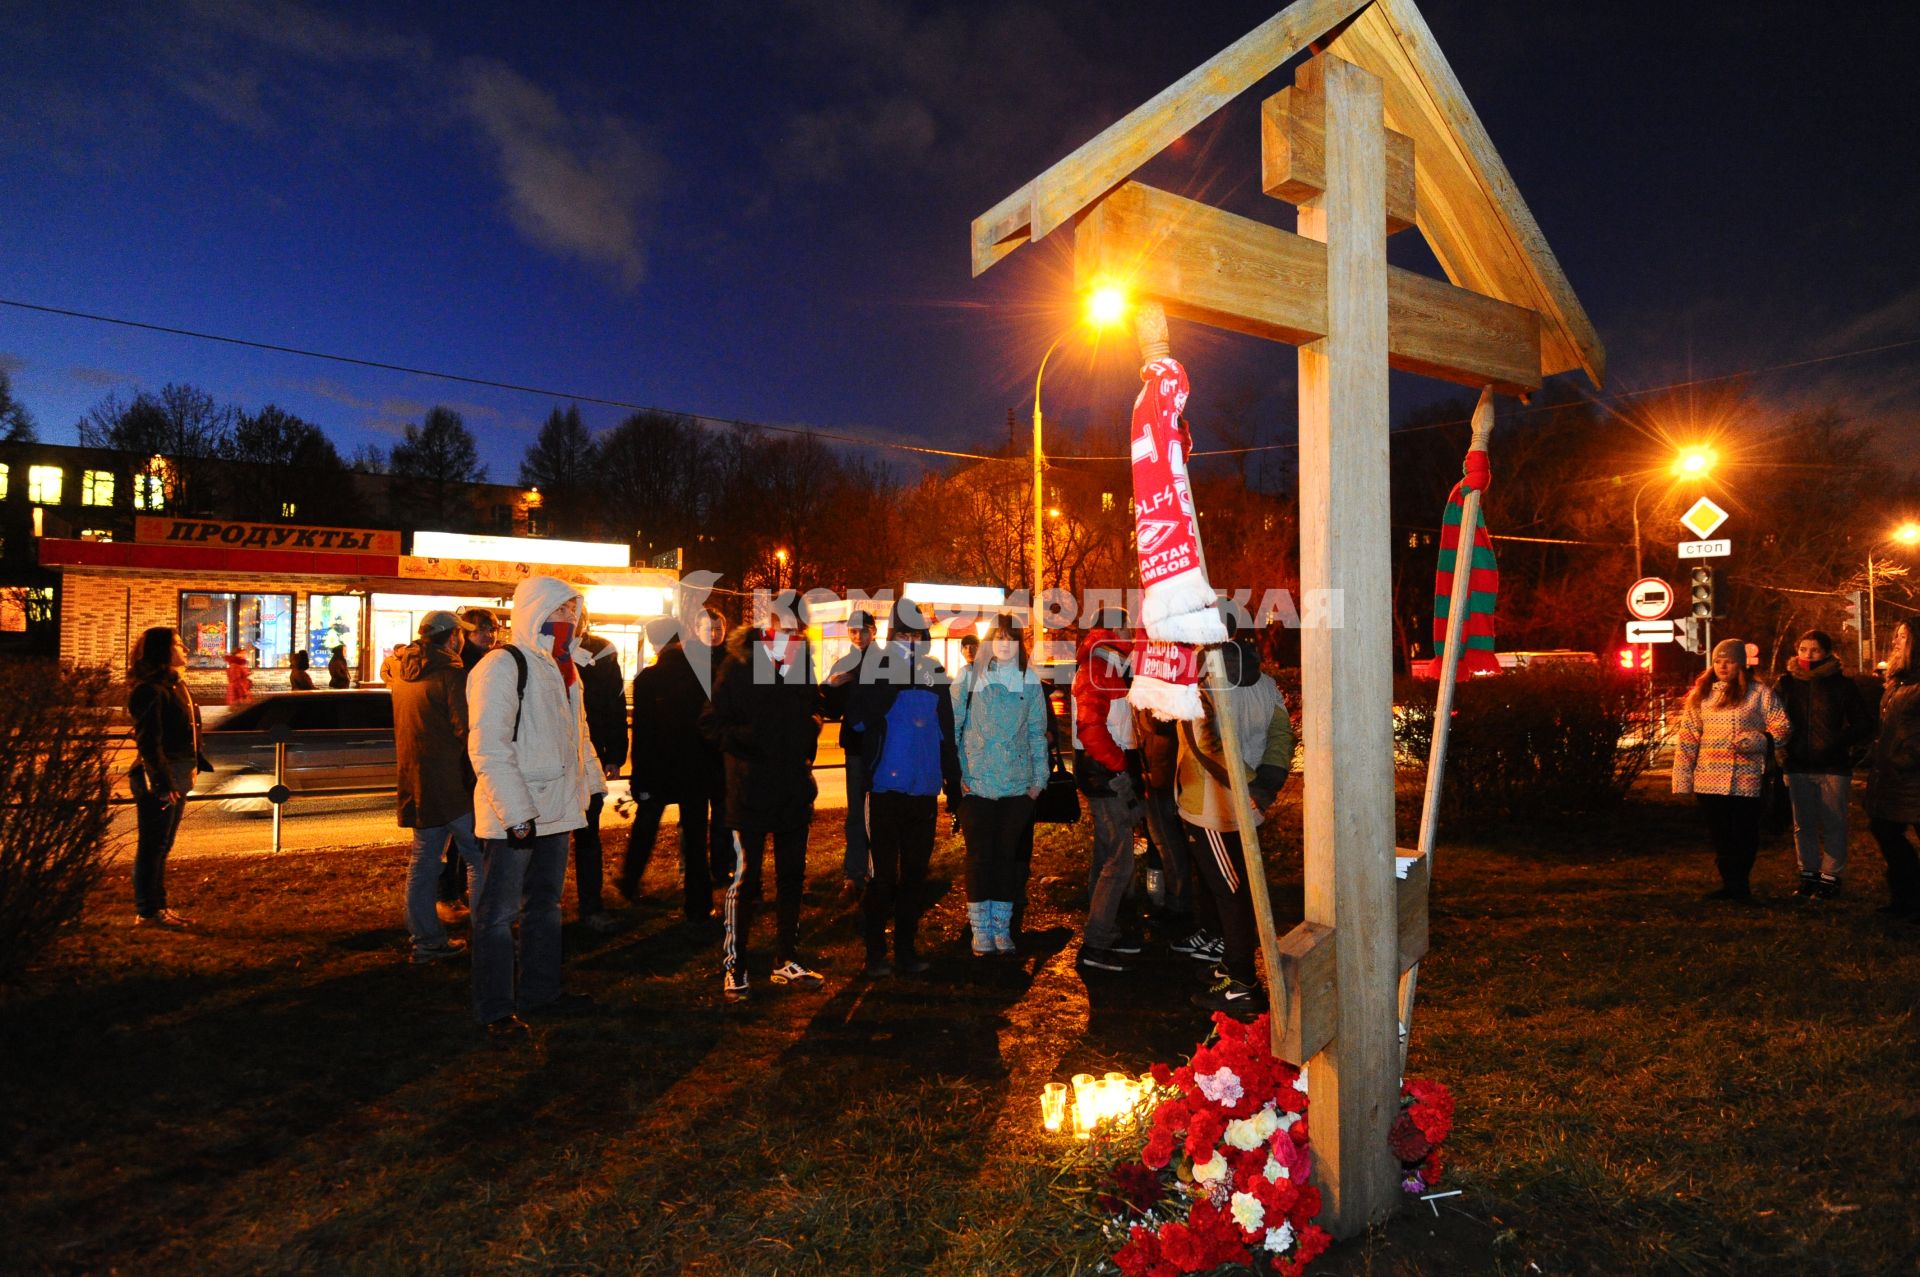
x=1827, y=888
x=175, y=920
x=1189, y=944
x=1233, y=997
x=1131, y=946
x=161, y=921
x=601, y=923
x=507, y=1031
x=1103, y=959
x=425, y=953
x=451, y=912
x=734, y=987
x=1809, y=888
x=791, y=972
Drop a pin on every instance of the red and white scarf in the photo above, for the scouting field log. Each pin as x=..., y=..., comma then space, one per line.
x=1177, y=608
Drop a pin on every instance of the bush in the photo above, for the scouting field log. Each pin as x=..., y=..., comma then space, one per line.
x=1533, y=742
x=54, y=785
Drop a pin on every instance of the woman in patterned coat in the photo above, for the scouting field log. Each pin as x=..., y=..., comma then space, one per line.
x=1728, y=728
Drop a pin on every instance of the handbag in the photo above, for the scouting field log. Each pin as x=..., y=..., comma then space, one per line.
x=1059, y=802
x=1776, y=803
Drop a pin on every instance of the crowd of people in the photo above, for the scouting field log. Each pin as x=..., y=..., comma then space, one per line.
x=505, y=748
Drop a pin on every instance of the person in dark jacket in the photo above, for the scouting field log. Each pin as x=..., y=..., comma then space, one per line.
x=765, y=720
x=300, y=679
x=606, y=696
x=166, y=738
x=1187, y=906
x=481, y=629
x=339, y=674
x=434, y=781
x=904, y=713
x=1830, y=721
x=675, y=765
x=478, y=630
x=1102, y=736
x=1893, y=786
x=838, y=690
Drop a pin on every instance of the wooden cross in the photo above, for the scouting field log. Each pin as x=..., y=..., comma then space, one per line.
x=1375, y=135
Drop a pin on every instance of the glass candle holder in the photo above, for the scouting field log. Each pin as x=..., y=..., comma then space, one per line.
x=1053, y=1105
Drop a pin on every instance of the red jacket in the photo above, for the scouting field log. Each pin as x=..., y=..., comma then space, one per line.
x=1100, y=677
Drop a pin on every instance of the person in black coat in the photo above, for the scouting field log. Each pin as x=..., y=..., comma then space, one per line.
x=765, y=719
x=166, y=741
x=841, y=681
x=1893, y=786
x=1830, y=722
x=605, y=694
x=673, y=763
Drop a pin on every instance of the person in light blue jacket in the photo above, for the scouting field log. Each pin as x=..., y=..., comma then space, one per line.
x=1000, y=725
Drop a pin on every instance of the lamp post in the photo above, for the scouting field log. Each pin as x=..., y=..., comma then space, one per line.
x=1106, y=306
x=1907, y=534
x=1690, y=463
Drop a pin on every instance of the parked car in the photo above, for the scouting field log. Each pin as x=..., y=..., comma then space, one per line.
x=339, y=740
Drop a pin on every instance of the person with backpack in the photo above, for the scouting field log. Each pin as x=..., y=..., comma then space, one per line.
x=1830, y=722
x=1000, y=731
x=1203, y=790
x=433, y=783
x=1729, y=725
x=606, y=697
x=904, y=713
x=536, y=774
x=764, y=719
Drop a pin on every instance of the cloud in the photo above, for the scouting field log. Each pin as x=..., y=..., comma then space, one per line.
x=579, y=187
x=10, y=363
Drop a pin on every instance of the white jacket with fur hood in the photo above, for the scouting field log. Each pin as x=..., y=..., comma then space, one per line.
x=549, y=772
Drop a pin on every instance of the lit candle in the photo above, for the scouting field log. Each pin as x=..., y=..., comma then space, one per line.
x=1053, y=1105
x=1085, y=1112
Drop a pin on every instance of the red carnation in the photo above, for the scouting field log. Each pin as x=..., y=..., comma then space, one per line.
x=1406, y=1141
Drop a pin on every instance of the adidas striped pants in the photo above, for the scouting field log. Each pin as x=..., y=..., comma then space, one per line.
x=1223, y=874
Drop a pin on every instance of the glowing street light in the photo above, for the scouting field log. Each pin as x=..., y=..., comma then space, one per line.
x=1694, y=462
x=1906, y=534
x=1106, y=307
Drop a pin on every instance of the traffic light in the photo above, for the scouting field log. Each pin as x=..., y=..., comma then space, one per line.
x=1626, y=660
x=1853, y=612
x=1701, y=591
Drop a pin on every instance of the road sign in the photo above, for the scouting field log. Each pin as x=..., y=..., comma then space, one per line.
x=1718, y=549
x=1650, y=598
x=1703, y=518
x=1649, y=631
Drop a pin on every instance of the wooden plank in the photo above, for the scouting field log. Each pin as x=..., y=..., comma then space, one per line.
x=1470, y=209
x=1304, y=1022
x=1293, y=154
x=1347, y=694
x=1065, y=190
x=1411, y=893
x=1236, y=273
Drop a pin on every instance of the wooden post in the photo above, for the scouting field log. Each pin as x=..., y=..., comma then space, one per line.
x=1346, y=658
x=1150, y=329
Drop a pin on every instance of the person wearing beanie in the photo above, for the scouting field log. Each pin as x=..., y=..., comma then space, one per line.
x=1728, y=726
x=434, y=780
x=1893, y=784
x=1000, y=730
x=764, y=718
x=1830, y=722
x=904, y=714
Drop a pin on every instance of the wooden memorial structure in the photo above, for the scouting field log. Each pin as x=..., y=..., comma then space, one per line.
x=1374, y=136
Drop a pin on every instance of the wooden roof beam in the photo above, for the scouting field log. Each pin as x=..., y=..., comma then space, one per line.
x=1063, y=191
x=1236, y=273
x=1293, y=150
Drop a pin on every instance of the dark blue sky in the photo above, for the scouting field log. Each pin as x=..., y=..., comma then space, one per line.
x=761, y=210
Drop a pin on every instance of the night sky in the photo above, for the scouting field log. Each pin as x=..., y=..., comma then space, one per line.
x=761, y=210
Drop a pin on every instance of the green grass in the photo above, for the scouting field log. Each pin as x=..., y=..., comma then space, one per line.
x=1647, y=1083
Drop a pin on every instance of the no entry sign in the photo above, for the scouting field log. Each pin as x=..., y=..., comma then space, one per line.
x=1649, y=599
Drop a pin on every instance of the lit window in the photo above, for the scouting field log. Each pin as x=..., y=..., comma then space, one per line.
x=96, y=534
x=96, y=487
x=288, y=509
x=5, y=470
x=149, y=492
x=260, y=626
x=43, y=484
x=1106, y=501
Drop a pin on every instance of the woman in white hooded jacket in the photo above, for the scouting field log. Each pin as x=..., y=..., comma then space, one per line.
x=536, y=769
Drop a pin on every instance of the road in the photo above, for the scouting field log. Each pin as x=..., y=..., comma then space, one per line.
x=340, y=824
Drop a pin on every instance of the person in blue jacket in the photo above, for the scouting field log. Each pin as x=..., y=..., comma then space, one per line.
x=903, y=712
x=1000, y=724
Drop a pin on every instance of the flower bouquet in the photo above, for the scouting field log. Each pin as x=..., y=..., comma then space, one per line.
x=1424, y=1121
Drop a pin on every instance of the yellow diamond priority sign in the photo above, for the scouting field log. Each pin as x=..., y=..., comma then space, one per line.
x=1703, y=518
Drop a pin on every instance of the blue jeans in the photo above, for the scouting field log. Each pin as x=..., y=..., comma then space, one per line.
x=1110, y=870
x=1820, y=817
x=157, y=825
x=857, y=861
x=523, y=883
x=423, y=877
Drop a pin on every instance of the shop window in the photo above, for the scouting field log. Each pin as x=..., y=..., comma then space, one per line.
x=44, y=484
x=5, y=473
x=96, y=534
x=259, y=626
x=96, y=487
x=333, y=620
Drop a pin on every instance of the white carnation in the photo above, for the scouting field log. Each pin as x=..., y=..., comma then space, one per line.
x=1275, y=1171
x=1248, y=1212
x=1280, y=1239
x=1211, y=1170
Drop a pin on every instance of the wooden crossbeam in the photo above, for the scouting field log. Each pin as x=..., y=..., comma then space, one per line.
x=1236, y=273
x=1293, y=150
x=1304, y=1010
x=1052, y=198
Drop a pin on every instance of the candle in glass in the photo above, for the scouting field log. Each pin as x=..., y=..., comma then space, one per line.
x=1053, y=1105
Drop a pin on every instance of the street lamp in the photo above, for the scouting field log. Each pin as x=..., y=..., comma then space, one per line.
x=1907, y=534
x=780, y=573
x=1106, y=306
x=1696, y=462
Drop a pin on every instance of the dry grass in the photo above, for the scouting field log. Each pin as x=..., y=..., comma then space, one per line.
x=1647, y=1084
